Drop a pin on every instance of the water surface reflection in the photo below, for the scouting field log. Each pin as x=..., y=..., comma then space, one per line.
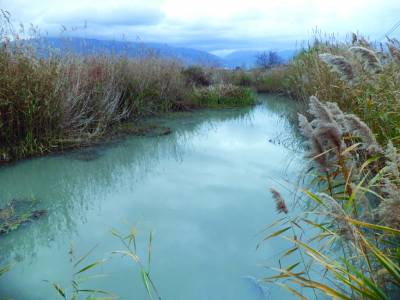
x=202, y=190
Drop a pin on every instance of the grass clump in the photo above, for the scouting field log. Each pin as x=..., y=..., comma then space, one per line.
x=197, y=76
x=223, y=95
x=83, y=271
x=270, y=80
x=241, y=78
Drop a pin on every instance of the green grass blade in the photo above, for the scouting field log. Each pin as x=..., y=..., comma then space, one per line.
x=146, y=283
x=90, y=266
x=84, y=256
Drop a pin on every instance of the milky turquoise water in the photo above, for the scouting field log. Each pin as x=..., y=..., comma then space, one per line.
x=203, y=191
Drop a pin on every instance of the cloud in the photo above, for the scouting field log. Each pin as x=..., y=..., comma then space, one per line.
x=106, y=16
x=214, y=25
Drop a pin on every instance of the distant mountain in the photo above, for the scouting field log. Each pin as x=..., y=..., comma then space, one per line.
x=247, y=59
x=131, y=49
x=188, y=56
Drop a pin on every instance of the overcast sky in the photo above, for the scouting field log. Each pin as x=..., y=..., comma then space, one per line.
x=213, y=25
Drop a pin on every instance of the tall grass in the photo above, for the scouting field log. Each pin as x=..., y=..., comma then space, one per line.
x=360, y=76
x=352, y=206
x=222, y=95
x=53, y=101
x=353, y=210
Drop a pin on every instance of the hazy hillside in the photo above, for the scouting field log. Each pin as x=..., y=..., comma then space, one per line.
x=135, y=49
x=189, y=56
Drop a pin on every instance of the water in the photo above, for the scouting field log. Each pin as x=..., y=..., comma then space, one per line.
x=202, y=191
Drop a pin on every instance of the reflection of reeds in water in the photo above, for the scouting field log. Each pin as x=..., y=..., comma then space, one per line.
x=71, y=183
x=57, y=100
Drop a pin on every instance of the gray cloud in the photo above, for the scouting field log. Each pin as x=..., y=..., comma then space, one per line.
x=111, y=17
x=213, y=25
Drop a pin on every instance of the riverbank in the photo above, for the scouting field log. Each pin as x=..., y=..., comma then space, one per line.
x=64, y=102
x=362, y=77
x=55, y=99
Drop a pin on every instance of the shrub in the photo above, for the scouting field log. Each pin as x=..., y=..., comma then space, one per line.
x=241, y=78
x=196, y=76
x=271, y=81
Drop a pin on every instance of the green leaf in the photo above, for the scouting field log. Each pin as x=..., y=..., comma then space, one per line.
x=90, y=266
x=94, y=291
x=373, y=287
x=149, y=249
x=374, y=226
x=276, y=233
x=60, y=290
x=386, y=262
x=291, y=267
x=290, y=251
x=84, y=256
x=313, y=197
x=146, y=282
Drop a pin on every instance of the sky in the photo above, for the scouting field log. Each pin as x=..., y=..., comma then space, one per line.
x=217, y=26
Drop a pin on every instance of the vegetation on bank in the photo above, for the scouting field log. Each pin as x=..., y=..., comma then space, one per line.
x=360, y=76
x=61, y=101
x=352, y=204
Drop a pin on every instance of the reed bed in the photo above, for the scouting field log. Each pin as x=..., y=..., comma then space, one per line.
x=352, y=209
x=351, y=204
x=51, y=101
x=362, y=77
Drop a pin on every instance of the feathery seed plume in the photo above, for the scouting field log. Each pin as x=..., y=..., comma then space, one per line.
x=392, y=160
x=389, y=209
x=319, y=111
x=335, y=211
x=332, y=135
x=339, y=65
x=280, y=202
x=337, y=114
x=316, y=151
x=305, y=126
x=359, y=127
x=354, y=38
x=334, y=109
x=394, y=52
x=368, y=59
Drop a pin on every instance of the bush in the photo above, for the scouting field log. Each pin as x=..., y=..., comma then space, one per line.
x=196, y=76
x=271, y=81
x=241, y=78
